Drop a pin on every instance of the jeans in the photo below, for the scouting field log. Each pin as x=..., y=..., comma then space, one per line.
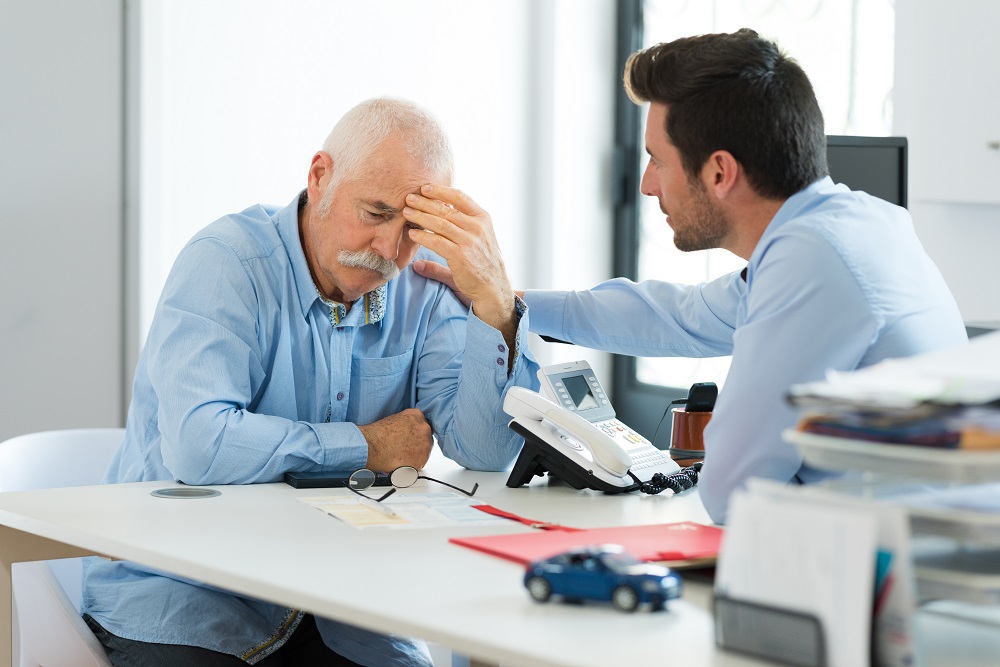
x=304, y=648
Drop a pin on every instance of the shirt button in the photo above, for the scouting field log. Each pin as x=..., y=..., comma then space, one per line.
x=500, y=362
x=340, y=395
x=501, y=348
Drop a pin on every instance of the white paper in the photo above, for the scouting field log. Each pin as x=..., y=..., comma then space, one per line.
x=965, y=375
x=410, y=510
x=896, y=600
x=808, y=558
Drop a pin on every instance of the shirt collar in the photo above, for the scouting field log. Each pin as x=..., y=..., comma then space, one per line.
x=792, y=208
x=794, y=205
x=374, y=305
x=287, y=223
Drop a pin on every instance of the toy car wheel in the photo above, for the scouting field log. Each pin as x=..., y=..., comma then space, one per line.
x=624, y=598
x=539, y=589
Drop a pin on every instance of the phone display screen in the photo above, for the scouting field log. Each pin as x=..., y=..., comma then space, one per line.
x=575, y=387
x=580, y=393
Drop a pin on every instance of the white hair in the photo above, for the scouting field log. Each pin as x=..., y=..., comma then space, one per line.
x=363, y=129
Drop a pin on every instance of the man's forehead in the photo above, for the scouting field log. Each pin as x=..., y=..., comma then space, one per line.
x=387, y=184
x=656, y=126
x=656, y=118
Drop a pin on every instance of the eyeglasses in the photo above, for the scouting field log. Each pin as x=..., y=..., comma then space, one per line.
x=401, y=478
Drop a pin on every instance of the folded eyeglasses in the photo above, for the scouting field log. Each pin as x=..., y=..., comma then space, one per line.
x=401, y=478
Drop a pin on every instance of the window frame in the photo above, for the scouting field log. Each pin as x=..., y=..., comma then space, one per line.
x=638, y=404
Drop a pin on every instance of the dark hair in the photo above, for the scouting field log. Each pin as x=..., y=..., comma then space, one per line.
x=739, y=93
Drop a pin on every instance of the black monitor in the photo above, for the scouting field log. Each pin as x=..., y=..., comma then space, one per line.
x=876, y=165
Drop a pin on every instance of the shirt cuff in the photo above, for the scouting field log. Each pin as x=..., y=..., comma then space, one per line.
x=485, y=344
x=344, y=447
x=548, y=311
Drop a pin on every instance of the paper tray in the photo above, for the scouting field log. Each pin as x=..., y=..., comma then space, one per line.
x=843, y=454
x=956, y=524
x=967, y=512
x=967, y=574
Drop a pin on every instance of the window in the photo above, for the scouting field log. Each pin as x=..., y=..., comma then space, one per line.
x=847, y=51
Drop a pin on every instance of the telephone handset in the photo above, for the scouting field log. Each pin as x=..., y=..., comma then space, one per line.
x=575, y=436
x=576, y=432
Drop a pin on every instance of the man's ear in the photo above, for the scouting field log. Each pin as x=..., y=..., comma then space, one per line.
x=320, y=173
x=721, y=173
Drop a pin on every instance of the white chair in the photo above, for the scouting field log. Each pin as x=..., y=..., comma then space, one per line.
x=47, y=593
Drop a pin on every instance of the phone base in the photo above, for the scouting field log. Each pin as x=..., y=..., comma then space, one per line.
x=538, y=457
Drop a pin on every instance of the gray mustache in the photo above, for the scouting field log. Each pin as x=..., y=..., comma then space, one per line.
x=369, y=259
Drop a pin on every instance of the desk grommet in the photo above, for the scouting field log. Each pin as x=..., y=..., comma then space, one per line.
x=186, y=493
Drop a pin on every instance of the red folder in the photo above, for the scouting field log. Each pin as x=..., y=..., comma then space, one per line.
x=675, y=544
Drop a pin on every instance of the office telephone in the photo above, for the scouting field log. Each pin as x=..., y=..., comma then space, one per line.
x=572, y=434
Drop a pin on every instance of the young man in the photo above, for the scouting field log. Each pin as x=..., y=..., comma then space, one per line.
x=835, y=279
x=297, y=338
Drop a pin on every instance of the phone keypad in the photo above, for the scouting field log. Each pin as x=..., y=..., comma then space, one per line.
x=649, y=458
x=616, y=429
x=643, y=454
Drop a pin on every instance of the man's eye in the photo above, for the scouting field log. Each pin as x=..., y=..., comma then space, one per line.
x=379, y=217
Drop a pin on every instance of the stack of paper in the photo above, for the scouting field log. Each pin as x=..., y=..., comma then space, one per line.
x=949, y=399
x=965, y=375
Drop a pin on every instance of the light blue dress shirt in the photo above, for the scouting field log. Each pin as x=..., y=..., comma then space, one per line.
x=837, y=281
x=248, y=373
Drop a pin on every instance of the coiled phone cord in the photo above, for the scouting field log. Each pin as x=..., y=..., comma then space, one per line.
x=682, y=480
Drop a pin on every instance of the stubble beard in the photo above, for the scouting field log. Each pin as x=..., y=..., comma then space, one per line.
x=703, y=227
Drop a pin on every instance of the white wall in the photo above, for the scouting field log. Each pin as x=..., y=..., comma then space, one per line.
x=523, y=87
x=947, y=102
x=61, y=174
x=964, y=240
x=61, y=215
x=237, y=95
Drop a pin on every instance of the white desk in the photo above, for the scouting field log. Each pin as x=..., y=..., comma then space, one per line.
x=259, y=540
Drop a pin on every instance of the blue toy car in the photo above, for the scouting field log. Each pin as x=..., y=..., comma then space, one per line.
x=606, y=573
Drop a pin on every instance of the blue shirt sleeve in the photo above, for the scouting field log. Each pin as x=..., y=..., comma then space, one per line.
x=786, y=335
x=206, y=365
x=463, y=396
x=651, y=318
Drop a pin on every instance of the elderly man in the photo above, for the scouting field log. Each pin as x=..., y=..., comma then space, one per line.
x=835, y=279
x=296, y=339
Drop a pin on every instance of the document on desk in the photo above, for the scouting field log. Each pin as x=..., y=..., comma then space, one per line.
x=844, y=560
x=806, y=559
x=406, y=510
